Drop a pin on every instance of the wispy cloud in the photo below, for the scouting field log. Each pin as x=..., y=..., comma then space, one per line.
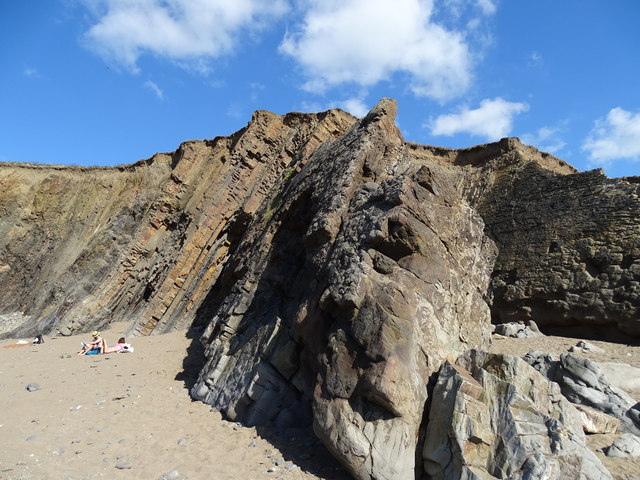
x=364, y=42
x=547, y=139
x=355, y=106
x=493, y=119
x=155, y=89
x=189, y=32
x=30, y=72
x=535, y=59
x=614, y=137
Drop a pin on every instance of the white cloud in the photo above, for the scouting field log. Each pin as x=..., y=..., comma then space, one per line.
x=355, y=106
x=186, y=31
x=492, y=120
x=154, y=88
x=546, y=139
x=366, y=41
x=614, y=137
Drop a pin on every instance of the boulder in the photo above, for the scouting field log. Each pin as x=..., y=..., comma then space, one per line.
x=582, y=382
x=626, y=445
x=595, y=421
x=585, y=347
x=527, y=329
x=494, y=416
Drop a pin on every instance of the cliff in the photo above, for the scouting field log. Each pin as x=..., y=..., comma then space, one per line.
x=334, y=269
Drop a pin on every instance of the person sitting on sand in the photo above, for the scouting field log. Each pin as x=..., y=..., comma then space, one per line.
x=118, y=347
x=98, y=344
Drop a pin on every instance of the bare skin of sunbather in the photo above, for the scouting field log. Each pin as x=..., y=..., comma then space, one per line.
x=98, y=342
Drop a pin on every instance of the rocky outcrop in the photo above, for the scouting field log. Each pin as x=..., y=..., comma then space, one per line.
x=569, y=246
x=333, y=268
x=582, y=382
x=493, y=416
x=367, y=276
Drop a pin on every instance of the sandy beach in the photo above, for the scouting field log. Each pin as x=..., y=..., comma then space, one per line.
x=129, y=416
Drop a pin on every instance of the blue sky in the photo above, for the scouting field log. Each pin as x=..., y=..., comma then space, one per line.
x=105, y=82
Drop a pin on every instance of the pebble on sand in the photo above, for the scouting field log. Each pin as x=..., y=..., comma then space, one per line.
x=172, y=475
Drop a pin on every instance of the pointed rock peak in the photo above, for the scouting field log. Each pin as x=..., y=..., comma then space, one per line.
x=383, y=115
x=387, y=107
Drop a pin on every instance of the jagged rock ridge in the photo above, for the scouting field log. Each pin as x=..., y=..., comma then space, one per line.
x=334, y=266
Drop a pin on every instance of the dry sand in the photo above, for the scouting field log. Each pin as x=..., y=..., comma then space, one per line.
x=94, y=413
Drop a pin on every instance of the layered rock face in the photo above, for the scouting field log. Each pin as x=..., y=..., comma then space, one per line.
x=569, y=246
x=82, y=247
x=366, y=277
x=334, y=268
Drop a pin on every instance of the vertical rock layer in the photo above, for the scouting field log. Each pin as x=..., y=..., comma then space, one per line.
x=369, y=273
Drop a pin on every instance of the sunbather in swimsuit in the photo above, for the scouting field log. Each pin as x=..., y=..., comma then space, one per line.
x=98, y=344
x=118, y=347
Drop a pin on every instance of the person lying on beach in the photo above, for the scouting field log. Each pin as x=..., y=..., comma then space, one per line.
x=118, y=347
x=98, y=344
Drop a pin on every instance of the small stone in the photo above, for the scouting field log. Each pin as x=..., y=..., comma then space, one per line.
x=290, y=467
x=273, y=469
x=32, y=387
x=172, y=475
x=106, y=459
x=31, y=438
x=124, y=465
x=122, y=441
x=253, y=444
x=183, y=441
x=280, y=462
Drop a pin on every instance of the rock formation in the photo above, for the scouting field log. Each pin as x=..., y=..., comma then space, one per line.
x=493, y=416
x=334, y=268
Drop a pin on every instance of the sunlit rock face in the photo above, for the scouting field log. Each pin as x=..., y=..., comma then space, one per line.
x=370, y=273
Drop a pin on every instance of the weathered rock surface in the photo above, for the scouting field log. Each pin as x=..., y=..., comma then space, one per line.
x=627, y=445
x=367, y=284
x=493, y=416
x=82, y=247
x=582, y=382
x=519, y=329
x=569, y=244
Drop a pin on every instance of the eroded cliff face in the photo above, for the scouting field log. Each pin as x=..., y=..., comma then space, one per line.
x=334, y=269
x=83, y=247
